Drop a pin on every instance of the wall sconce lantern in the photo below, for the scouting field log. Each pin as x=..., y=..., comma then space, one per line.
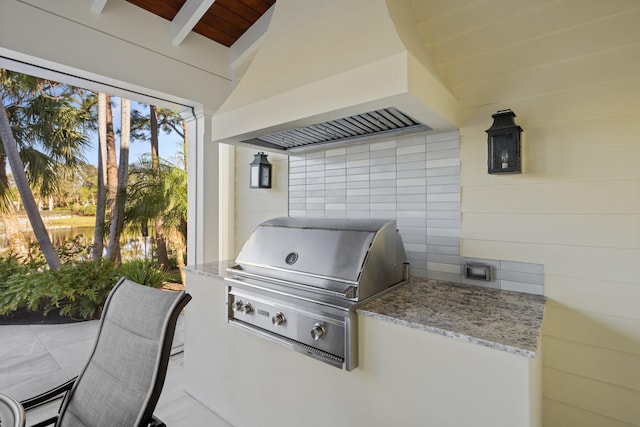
x=504, y=144
x=260, y=171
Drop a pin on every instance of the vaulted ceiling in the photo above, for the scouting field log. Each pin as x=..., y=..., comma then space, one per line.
x=223, y=21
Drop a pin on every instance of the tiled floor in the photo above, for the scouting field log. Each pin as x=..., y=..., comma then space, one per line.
x=35, y=358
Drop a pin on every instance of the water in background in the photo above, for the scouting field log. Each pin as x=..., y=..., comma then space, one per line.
x=133, y=246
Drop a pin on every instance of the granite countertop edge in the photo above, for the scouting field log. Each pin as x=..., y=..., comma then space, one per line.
x=501, y=320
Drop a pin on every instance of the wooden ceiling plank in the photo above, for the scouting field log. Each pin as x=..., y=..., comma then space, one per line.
x=187, y=18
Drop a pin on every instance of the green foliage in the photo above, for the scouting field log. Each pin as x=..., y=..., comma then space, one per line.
x=76, y=290
x=144, y=272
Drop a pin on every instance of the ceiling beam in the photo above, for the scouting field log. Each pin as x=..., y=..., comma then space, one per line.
x=97, y=6
x=187, y=18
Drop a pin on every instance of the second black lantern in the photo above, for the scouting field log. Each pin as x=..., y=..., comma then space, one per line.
x=260, y=171
x=504, y=148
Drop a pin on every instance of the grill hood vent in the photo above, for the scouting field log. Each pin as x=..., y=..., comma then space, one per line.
x=374, y=124
x=335, y=71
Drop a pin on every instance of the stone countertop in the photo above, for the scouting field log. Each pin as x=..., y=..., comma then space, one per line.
x=503, y=320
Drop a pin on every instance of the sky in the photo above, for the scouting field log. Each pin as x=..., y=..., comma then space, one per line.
x=170, y=146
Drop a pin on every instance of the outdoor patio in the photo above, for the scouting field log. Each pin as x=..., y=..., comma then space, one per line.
x=35, y=358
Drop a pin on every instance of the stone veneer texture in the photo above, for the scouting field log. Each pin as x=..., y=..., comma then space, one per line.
x=414, y=180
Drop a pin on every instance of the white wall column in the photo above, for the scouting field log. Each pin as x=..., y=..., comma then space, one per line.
x=203, y=181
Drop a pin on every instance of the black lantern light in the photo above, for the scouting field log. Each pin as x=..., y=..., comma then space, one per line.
x=504, y=144
x=260, y=171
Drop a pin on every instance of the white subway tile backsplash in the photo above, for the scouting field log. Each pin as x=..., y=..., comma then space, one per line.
x=522, y=287
x=411, y=206
x=335, y=152
x=410, y=149
x=383, y=190
x=414, y=165
x=383, y=207
x=434, y=189
x=443, y=206
x=443, y=163
x=357, y=192
x=357, y=184
x=443, y=232
x=410, y=222
x=334, y=179
x=417, y=157
x=413, y=190
x=443, y=145
x=413, y=173
x=452, y=215
x=444, y=250
x=515, y=276
x=383, y=154
x=409, y=182
x=352, y=149
x=383, y=176
x=445, y=197
x=413, y=198
x=443, y=267
x=523, y=267
x=383, y=183
x=444, y=171
x=384, y=145
x=444, y=154
x=358, y=199
x=359, y=177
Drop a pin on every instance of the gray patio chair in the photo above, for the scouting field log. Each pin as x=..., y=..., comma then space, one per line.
x=122, y=380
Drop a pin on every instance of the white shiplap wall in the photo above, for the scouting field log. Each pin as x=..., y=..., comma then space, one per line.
x=570, y=69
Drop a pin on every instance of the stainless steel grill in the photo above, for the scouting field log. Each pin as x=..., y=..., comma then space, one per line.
x=298, y=282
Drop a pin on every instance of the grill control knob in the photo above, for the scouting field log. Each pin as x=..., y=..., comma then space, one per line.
x=317, y=331
x=237, y=305
x=278, y=319
x=246, y=309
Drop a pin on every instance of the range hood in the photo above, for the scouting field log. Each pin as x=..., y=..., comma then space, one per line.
x=336, y=72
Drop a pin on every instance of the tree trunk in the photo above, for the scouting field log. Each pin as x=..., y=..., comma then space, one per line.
x=98, y=233
x=16, y=239
x=161, y=242
x=117, y=221
x=112, y=167
x=11, y=150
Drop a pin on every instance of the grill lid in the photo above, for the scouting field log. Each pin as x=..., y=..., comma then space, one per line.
x=335, y=255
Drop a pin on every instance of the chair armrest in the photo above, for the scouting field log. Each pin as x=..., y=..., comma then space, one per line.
x=48, y=395
x=156, y=422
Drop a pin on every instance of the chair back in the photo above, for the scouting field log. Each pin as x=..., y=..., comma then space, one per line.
x=121, y=383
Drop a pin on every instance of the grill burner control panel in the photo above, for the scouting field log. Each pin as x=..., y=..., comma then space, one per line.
x=282, y=322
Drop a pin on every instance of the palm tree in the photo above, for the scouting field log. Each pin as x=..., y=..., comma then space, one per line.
x=42, y=136
x=148, y=128
x=101, y=196
x=160, y=192
x=117, y=220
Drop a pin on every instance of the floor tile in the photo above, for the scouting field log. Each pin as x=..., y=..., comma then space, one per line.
x=18, y=341
x=72, y=357
x=53, y=336
x=188, y=412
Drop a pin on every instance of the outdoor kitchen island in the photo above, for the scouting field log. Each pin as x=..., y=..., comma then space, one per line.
x=430, y=353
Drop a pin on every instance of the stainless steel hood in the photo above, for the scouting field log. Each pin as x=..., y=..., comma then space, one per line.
x=377, y=124
x=335, y=72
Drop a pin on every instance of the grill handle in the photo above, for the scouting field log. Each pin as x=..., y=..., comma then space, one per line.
x=349, y=293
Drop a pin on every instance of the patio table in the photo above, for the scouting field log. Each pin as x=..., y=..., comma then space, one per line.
x=11, y=412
